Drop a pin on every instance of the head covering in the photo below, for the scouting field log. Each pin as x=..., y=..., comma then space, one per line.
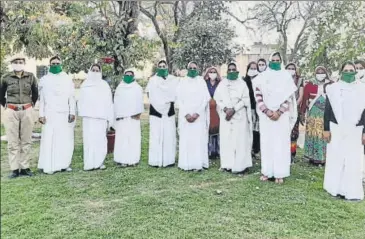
x=192, y=62
x=160, y=61
x=18, y=56
x=129, y=70
x=206, y=75
x=92, y=78
x=232, y=63
x=275, y=53
x=324, y=69
x=361, y=62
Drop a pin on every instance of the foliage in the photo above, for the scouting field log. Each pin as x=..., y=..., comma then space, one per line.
x=207, y=42
x=3, y=64
x=336, y=35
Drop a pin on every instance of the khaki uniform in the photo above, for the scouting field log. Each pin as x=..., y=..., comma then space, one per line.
x=21, y=91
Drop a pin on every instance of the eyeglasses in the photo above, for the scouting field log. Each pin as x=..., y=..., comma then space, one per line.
x=55, y=63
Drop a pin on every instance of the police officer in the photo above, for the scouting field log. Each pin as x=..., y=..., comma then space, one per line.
x=21, y=91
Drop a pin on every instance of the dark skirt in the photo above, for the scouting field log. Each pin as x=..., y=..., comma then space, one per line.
x=213, y=146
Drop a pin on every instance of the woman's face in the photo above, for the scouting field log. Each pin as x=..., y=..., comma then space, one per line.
x=232, y=68
x=348, y=68
x=291, y=67
x=253, y=67
x=275, y=58
x=192, y=66
x=128, y=73
x=359, y=67
x=320, y=71
x=162, y=65
x=212, y=70
x=95, y=69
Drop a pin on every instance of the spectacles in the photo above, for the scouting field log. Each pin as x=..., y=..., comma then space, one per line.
x=55, y=64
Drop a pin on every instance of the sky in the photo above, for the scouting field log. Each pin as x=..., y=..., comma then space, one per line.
x=239, y=8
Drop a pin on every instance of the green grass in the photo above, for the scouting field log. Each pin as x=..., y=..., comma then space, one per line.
x=146, y=202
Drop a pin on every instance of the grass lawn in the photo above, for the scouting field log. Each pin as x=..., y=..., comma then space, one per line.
x=146, y=202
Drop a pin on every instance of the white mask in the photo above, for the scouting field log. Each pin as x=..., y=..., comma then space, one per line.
x=213, y=76
x=292, y=72
x=94, y=76
x=321, y=77
x=252, y=72
x=262, y=68
x=18, y=67
x=361, y=75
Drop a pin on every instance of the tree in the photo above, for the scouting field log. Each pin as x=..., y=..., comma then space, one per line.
x=279, y=16
x=209, y=44
x=336, y=35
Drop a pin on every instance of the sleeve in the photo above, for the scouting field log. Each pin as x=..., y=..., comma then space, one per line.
x=259, y=100
x=327, y=115
x=244, y=101
x=218, y=98
x=201, y=109
x=303, y=105
x=42, y=102
x=362, y=121
x=71, y=99
x=3, y=89
x=34, y=89
x=110, y=106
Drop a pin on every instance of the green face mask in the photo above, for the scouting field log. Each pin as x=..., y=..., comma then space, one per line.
x=192, y=73
x=55, y=69
x=276, y=66
x=128, y=79
x=232, y=75
x=162, y=72
x=348, y=77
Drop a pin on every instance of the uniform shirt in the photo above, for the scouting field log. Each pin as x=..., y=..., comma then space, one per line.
x=23, y=90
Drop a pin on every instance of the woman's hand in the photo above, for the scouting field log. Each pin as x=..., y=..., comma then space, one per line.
x=42, y=120
x=363, y=139
x=327, y=136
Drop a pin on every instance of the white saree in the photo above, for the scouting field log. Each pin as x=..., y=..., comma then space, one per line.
x=193, y=97
x=128, y=101
x=236, y=134
x=345, y=152
x=57, y=101
x=162, y=141
x=96, y=108
x=275, y=88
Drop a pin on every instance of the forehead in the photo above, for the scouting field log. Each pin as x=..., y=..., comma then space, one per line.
x=349, y=67
x=359, y=66
x=260, y=63
x=192, y=65
x=55, y=60
x=212, y=70
x=232, y=66
x=253, y=65
x=290, y=67
x=95, y=68
x=162, y=63
x=129, y=73
x=276, y=57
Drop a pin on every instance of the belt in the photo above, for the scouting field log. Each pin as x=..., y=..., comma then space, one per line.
x=19, y=107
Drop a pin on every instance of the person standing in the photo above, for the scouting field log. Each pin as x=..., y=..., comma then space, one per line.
x=251, y=73
x=96, y=109
x=277, y=109
x=212, y=78
x=360, y=69
x=21, y=90
x=294, y=72
x=313, y=104
x=128, y=107
x=57, y=115
x=161, y=90
x=344, y=131
x=234, y=107
x=193, y=103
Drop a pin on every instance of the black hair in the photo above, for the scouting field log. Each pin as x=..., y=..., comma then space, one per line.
x=361, y=62
x=291, y=64
x=97, y=65
x=249, y=65
x=162, y=61
x=232, y=64
x=348, y=63
x=263, y=60
x=277, y=54
x=54, y=58
x=129, y=71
